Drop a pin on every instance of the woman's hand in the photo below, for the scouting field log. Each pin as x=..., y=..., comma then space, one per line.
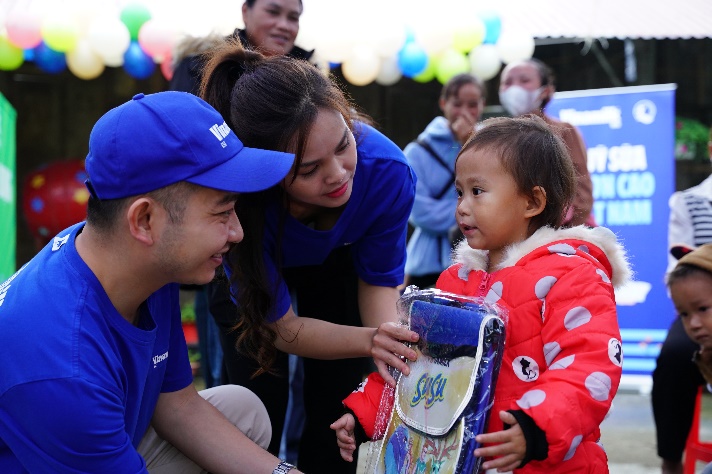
x=463, y=125
x=390, y=347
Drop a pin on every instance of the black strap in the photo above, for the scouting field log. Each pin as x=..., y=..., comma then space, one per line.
x=426, y=146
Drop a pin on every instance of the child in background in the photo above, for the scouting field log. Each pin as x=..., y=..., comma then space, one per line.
x=562, y=359
x=690, y=284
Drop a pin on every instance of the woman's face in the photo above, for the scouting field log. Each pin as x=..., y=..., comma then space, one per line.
x=467, y=101
x=324, y=178
x=520, y=74
x=272, y=25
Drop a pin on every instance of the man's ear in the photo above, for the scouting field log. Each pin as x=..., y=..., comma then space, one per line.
x=140, y=217
x=536, y=202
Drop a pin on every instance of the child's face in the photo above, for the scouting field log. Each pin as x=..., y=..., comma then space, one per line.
x=491, y=211
x=692, y=296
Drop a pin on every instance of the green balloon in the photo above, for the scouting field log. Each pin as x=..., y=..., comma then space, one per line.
x=134, y=15
x=428, y=73
x=11, y=57
x=450, y=64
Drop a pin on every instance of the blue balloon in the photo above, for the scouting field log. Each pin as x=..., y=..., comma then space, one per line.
x=49, y=60
x=137, y=63
x=412, y=59
x=493, y=26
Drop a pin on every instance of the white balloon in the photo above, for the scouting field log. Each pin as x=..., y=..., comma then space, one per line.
x=114, y=61
x=108, y=37
x=84, y=62
x=390, y=72
x=361, y=66
x=514, y=45
x=484, y=62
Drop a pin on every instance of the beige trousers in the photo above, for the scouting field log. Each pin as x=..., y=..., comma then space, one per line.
x=238, y=404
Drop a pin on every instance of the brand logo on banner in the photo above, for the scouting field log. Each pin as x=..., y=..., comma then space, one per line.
x=630, y=138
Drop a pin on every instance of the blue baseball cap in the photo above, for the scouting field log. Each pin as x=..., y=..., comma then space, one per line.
x=160, y=139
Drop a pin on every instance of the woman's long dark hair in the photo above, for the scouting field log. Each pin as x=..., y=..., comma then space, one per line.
x=270, y=103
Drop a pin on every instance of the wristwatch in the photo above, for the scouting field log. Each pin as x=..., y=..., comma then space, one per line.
x=283, y=468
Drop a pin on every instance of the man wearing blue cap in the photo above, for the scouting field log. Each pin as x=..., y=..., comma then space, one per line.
x=92, y=346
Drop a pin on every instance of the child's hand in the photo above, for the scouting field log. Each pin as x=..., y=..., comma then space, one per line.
x=345, y=439
x=509, y=445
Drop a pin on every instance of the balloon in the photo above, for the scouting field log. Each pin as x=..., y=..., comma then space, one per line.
x=54, y=197
x=60, y=32
x=412, y=59
x=493, y=26
x=515, y=45
x=167, y=68
x=389, y=73
x=23, y=28
x=484, y=62
x=49, y=60
x=469, y=35
x=109, y=38
x=11, y=57
x=428, y=73
x=157, y=39
x=451, y=63
x=134, y=15
x=137, y=63
x=84, y=62
x=361, y=66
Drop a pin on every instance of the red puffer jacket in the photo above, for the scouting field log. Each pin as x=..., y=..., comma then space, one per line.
x=562, y=358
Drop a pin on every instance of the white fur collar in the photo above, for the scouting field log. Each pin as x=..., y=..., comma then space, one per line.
x=603, y=238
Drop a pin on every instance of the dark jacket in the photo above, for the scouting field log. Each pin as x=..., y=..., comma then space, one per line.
x=188, y=61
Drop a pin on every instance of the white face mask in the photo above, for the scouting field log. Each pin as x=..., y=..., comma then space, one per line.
x=518, y=101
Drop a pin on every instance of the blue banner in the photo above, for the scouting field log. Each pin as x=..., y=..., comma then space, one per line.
x=630, y=137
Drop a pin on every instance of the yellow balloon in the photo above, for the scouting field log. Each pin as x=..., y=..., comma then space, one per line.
x=11, y=57
x=59, y=32
x=84, y=62
x=467, y=37
x=450, y=64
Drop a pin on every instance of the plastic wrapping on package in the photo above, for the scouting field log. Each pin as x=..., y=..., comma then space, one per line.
x=428, y=422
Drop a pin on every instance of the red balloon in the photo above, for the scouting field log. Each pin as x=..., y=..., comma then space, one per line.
x=54, y=197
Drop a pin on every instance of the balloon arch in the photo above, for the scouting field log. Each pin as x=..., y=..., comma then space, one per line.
x=380, y=42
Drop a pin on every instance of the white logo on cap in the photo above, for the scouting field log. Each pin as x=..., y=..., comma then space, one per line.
x=220, y=132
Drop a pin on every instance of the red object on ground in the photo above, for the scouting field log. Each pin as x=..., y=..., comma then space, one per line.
x=190, y=330
x=696, y=450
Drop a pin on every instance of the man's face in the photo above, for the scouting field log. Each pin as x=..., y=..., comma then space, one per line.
x=272, y=25
x=189, y=252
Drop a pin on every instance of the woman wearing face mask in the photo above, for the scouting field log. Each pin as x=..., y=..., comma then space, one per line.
x=526, y=87
x=432, y=157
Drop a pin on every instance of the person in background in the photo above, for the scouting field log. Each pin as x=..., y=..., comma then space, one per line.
x=327, y=244
x=562, y=359
x=432, y=157
x=676, y=378
x=271, y=27
x=525, y=87
x=97, y=378
x=690, y=285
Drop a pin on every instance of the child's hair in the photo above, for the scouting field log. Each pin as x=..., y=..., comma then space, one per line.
x=684, y=271
x=698, y=261
x=534, y=155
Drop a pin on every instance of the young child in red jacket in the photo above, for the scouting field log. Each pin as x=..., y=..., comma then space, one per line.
x=562, y=358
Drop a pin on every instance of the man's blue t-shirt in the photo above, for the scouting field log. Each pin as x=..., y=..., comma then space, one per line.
x=374, y=222
x=79, y=383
